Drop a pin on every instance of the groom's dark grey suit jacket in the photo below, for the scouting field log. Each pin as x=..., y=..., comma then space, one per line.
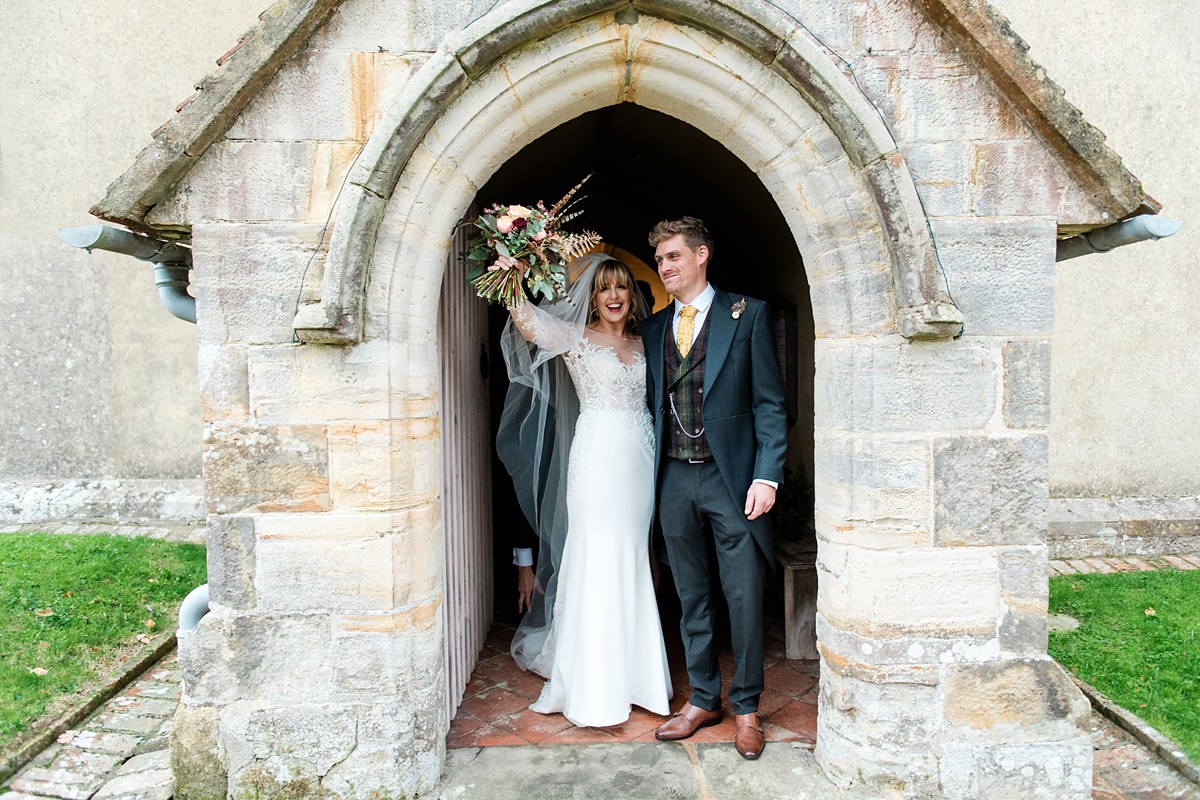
x=744, y=415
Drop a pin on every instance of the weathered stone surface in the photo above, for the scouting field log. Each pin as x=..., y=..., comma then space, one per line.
x=116, y=743
x=874, y=482
x=73, y=759
x=940, y=171
x=1018, y=178
x=935, y=96
x=868, y=772
x=385, y=466
x=910, y=659
x=160, y=759
x=270, y=659
x=231, y=561
x=322, y=95
x=1027, y=384
x=1024, y=591
x=224, y=384
x=248, y=281
x=909, y=592
x=266, y=468
x=233, y=181
x=29, y=501
x=897, y=386
x=1013, y=701
x=1024, y=576
x=329, y=384
x=154, y=784
x=388, y=653
x=143, y=706
x=195, y=746
x=990, y=490
x=344, y=562
x=312, y=750
x=1041, y=771
x=851, y=288
x=1001, y=273
x=127, y=723
x=60, y=783
x=393, y=26
x=1082, y=527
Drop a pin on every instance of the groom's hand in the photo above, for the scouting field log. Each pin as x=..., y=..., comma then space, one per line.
x=759, y=500
x=525, y=586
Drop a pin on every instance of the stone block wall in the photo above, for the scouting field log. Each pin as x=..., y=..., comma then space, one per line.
x=319, y=669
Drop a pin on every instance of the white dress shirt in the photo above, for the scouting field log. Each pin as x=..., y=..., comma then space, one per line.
x=703, y=303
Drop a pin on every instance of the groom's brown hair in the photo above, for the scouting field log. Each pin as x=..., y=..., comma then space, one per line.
x=693, y=229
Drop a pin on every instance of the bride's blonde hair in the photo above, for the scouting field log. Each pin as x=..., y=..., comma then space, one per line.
x=614, y=272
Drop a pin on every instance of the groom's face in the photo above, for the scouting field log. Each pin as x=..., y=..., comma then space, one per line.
x=682, y=269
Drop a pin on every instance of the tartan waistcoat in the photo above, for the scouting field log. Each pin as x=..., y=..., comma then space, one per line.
x=684, y=379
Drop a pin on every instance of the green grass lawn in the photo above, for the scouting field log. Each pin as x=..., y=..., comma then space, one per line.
x=1139, y=644
x=71, y=606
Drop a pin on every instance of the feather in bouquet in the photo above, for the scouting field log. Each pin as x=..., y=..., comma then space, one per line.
x=521, y=247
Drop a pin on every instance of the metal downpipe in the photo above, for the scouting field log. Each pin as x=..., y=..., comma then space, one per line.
x=171, y=260
x=1130, y=231
x=191, y=611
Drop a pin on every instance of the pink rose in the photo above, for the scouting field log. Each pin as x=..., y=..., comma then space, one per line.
x=537, y=237
x=504, y=224
x=520, y=211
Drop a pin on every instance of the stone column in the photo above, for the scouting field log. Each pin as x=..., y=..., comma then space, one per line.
x=932, y=476
x=319, y=669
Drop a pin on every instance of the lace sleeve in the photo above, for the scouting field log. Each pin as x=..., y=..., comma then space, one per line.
x=545, y=330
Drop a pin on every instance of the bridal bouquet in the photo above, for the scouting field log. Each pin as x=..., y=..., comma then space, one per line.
x=521, y=247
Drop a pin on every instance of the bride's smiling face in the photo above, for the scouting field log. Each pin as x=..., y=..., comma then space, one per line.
x=613, y=302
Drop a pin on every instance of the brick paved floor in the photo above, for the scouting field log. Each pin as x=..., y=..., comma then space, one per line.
x=119, y=753
x=495, y=708
x=1125, y=770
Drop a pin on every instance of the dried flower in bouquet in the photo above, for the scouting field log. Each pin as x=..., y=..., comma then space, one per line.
x=523, y=248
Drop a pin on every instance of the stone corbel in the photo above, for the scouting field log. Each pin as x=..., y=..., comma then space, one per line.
x=938, y=319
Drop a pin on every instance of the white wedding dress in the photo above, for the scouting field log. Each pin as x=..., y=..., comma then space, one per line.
x=605, y=651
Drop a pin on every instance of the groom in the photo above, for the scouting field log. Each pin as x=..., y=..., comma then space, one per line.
x=717, y=398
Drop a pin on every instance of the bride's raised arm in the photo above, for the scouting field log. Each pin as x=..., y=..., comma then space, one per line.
x=545, y=330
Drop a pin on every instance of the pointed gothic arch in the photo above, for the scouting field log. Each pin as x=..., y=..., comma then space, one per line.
x=763, y=86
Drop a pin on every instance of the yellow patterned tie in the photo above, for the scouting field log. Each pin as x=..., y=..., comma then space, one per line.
x=683, y=337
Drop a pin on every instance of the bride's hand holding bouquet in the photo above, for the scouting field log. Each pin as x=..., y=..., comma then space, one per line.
x=521, y=248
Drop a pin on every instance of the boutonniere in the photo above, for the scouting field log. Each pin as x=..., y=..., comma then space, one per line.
x=738, y=308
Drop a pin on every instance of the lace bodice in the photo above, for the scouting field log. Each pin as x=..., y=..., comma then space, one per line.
x=609, y=373
x=604, y=381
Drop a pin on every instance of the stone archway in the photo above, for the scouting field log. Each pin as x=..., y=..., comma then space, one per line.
x=920, y=619
x=838, y=181
x=766, y=89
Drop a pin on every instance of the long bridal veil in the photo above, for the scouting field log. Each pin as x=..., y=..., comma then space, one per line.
x=533, y=441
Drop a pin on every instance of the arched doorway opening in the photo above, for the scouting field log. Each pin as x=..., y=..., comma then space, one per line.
x=647, y=166
x=820, y=152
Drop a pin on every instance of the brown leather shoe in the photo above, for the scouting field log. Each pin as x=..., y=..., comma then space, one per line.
x=686, y=721
x=748, y=739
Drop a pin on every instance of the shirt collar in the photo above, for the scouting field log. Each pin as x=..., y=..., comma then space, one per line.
x=701, y=302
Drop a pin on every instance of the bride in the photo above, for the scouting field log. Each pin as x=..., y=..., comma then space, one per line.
x=592, y=627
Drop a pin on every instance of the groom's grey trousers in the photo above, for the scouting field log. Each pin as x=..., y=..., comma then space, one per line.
x=690, y=496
